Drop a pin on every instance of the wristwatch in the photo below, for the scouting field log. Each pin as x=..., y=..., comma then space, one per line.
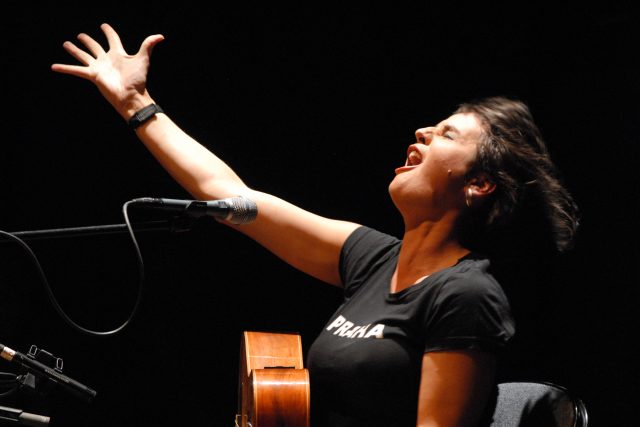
x=143, y=115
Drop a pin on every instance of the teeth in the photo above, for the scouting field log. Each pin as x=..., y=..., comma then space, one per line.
x=414, y=158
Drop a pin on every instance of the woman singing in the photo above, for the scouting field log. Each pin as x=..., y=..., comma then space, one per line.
x=416, y=339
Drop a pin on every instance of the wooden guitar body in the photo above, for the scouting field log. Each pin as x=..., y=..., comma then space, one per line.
x=273, y=386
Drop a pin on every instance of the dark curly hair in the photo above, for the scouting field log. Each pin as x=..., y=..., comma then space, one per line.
x=514, y=156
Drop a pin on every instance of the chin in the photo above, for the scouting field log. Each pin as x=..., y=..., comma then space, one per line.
x=393, y=188
x=401, y=184
x=396, y=182
x=409, y=198
x=395, y=192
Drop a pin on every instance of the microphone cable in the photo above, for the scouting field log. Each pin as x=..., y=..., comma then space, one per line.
x=9, y=381
x=53, y=299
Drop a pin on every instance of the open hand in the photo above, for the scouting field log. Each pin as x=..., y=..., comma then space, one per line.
x=120, y=77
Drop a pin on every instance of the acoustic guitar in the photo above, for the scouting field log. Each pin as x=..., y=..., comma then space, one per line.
x=273, y=385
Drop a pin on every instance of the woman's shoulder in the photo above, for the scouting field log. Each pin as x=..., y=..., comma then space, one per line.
x=471, y=278
x=367, y=236
x=365, y=252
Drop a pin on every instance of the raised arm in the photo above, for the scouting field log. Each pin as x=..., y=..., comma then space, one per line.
x=307, y=241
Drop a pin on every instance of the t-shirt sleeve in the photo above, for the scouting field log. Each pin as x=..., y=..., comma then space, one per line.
x=470, y=312
x=362, y=253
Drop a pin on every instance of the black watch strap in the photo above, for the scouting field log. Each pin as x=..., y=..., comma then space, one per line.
x=143, y=115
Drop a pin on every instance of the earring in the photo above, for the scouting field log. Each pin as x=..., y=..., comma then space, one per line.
x=468, y=197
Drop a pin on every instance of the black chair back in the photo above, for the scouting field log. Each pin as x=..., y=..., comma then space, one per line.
x=534, y=404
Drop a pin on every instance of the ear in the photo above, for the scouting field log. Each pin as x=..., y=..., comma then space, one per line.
x=480, y=187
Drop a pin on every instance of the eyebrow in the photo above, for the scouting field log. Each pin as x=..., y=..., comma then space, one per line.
x=448, y=127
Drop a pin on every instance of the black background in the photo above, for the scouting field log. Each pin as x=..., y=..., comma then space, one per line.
x=316, y=104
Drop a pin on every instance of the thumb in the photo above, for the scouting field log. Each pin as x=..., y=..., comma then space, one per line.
x=149, y=43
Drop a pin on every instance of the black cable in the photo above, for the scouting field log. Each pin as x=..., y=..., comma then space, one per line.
x=7, y=378
x=10, y=381
x=9, y=392
x=53, y=299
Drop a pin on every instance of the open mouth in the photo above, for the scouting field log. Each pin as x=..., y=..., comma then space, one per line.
x=414, y=158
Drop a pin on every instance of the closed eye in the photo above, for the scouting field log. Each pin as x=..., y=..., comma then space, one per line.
x=450, y=132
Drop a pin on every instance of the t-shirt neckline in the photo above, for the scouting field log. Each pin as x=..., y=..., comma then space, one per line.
x=396, y=296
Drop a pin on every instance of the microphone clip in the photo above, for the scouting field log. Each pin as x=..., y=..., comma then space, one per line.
x=38, y=384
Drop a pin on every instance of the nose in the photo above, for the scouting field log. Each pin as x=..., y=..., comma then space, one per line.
x=424, y=135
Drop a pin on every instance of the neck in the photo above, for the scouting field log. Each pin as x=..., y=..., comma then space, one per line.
x=426, y=248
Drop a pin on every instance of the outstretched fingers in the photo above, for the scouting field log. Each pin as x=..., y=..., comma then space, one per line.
x=117, y=74
x=112, y=38
x=78, y=53
x=74, y=70
x=115, y=43
x=93, y=46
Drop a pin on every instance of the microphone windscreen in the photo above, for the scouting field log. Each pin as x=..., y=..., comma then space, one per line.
x=243, y=210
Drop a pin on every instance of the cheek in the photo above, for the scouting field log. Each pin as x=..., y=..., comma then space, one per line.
x=439, y=167
x=455, y=163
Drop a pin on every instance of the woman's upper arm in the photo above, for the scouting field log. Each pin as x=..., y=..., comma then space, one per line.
x=454, y=387
x=308, y=242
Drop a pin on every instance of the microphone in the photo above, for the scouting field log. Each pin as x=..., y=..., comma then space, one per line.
x=23, y=418
x=40, y=369
x=236, y=210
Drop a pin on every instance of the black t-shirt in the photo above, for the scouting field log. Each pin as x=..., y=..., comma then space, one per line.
x=365, y=365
